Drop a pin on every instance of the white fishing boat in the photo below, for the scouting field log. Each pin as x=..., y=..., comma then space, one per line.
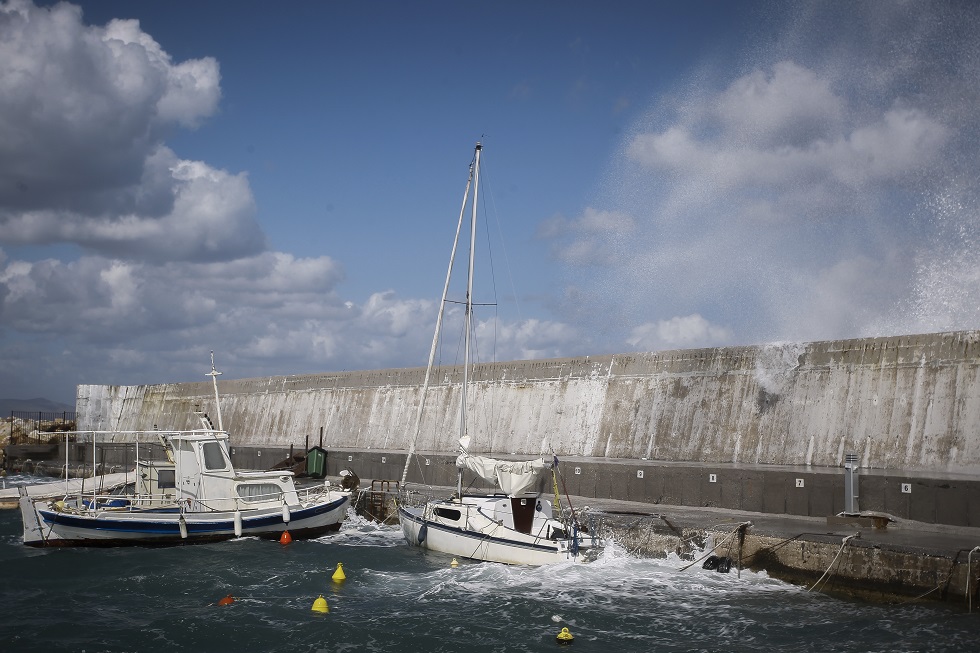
x=193, y=494
x=514, y=525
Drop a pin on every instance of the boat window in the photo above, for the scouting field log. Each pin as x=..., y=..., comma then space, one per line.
x=166, y=478
x=448, y=513
x=252, y=492
x=213, y=458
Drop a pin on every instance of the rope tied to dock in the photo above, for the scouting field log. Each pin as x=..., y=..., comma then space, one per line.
x=834, y=561
x=740, y=528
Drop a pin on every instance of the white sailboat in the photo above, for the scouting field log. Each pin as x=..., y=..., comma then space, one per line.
x=511, y=526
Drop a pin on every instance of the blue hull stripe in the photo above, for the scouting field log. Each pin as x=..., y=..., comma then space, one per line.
x=157, y=527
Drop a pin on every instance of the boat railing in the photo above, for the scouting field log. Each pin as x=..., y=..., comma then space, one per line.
x=313, y=492
x=120, y=500
x=412, y=498
x=89, y=502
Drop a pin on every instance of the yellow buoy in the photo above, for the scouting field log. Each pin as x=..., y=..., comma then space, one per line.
x=320, y=605
x=564, y=637
x=339, y=576
x=454, y=563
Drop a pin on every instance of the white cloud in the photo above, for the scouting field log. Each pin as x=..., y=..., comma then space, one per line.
x=679, y=332
x=899, y=143
x=524, y=339
x=787, y=105
x=83, y=111
x=384, y=312
x=211, y=217
x=588, y=239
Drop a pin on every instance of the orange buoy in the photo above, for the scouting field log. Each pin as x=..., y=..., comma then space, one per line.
x=285, y=538
x=228, y=600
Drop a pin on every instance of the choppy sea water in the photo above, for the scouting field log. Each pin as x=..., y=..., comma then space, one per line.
x=399, y=598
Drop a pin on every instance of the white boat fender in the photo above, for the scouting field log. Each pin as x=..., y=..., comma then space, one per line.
x=182, y=524
x=285, y=514
x=422, y=533
x=238, y=523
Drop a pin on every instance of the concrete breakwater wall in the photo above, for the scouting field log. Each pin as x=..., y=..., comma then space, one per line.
x=904, y=402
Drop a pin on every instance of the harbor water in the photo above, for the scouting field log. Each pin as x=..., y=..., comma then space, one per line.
x=399, y=598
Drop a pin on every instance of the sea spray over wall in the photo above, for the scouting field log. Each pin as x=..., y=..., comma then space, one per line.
x=823, y=187
x=774, y=363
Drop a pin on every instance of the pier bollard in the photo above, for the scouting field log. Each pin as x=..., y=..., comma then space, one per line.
x=851, y=479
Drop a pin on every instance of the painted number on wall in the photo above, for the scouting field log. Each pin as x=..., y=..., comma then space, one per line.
x=906, y=488
x=712, y=478
x=799, y=482
x=578, y=470
x=639, y=473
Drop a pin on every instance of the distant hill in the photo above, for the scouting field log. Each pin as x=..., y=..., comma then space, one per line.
x=33, y=406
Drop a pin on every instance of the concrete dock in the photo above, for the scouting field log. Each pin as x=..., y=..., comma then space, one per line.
x=897, y=563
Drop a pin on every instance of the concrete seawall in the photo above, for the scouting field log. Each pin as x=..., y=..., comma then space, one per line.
x=910, y=403
x=688, y=439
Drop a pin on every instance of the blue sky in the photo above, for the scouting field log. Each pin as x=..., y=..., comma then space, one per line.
x=280, y=184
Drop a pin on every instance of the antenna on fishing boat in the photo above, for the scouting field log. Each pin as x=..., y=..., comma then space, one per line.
x=214, y=374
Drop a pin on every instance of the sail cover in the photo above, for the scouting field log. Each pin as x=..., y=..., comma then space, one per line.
x=512, y=477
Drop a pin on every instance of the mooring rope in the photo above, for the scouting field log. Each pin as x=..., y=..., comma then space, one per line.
x=834, y=561
x=969, y=577
x=945, y=581
x=717, y=546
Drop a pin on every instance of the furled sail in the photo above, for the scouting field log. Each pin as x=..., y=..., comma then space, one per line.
x=512, y=477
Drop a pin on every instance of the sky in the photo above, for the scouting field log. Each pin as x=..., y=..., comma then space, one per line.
x=280, y=184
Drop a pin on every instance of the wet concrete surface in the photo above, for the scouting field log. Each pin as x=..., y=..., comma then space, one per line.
x=899, y=534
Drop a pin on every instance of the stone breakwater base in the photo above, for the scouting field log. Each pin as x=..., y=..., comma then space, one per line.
x=763, y=430
x=898, y=563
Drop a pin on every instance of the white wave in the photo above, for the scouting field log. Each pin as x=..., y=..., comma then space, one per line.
x=356, y=530
x=16, y=480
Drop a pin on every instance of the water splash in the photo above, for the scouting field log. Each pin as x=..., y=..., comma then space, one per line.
x=773, y=364
x=822, y=186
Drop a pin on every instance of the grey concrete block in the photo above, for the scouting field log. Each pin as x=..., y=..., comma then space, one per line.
x=922, y=503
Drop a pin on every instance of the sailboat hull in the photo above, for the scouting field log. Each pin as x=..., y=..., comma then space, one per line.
x=476, y=536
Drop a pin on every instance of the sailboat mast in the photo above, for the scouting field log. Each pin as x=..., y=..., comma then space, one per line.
x=469, y=311
x=469, y=294
x=435, y=337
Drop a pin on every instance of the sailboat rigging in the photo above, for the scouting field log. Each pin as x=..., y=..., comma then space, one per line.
x=512, y=526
